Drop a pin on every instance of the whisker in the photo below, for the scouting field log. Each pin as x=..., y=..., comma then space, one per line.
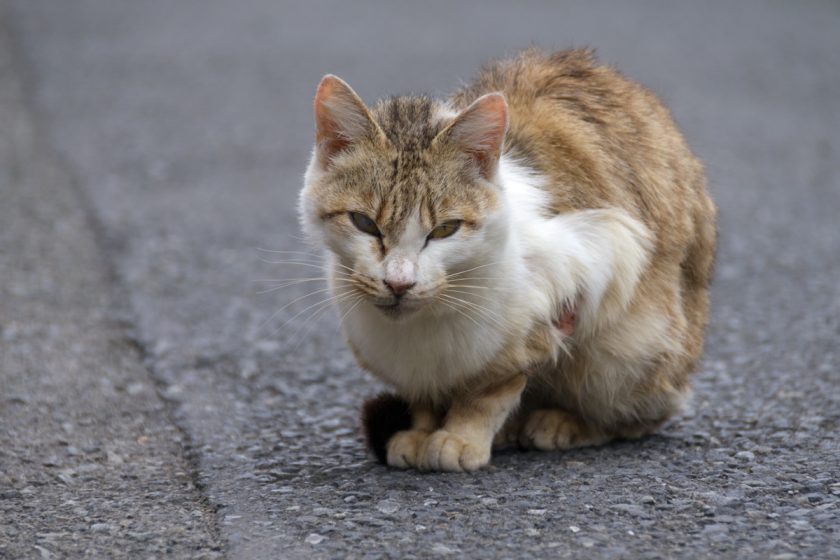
x=352, y=270
x=461, y=312
x=273, y=315
x=464, y=307
x=309, y=264
x=473, y=268
x=474, y=286
x=486, y=313
x=470, y=293
x=320, y=311
x=499, y=321
x=305, y=309
x=291, y=279
x=301, y=241
x=301, y=263
x=307, y=253
x=322, y=266
x=309, y=323
x=355, y=304
x=298, y=238
x=472, y=303
x=294, y=283
x=470, y=278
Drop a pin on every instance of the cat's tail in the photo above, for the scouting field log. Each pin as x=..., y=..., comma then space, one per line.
x=382, y=417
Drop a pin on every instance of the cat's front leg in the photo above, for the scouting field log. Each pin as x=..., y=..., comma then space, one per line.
x=466, y=438
x=404, y=446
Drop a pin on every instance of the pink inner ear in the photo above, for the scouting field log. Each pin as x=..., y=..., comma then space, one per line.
x=328, y=136
x=326, y=128
x=341, y=118
x=493, y=109
x=480, y=130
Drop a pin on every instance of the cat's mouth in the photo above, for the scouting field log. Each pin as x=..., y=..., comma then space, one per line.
x=395, y=309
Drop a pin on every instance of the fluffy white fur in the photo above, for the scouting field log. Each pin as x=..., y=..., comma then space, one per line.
x=525, y=266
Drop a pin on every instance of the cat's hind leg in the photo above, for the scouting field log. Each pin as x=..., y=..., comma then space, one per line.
x=550, y=429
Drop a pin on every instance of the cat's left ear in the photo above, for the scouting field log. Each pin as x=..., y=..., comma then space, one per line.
x=480, y=131
x=341, y=119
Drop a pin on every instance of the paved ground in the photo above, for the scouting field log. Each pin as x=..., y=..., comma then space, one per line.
x=152, y=401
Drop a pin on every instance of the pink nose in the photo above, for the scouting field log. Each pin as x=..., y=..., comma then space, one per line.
x=399, y=288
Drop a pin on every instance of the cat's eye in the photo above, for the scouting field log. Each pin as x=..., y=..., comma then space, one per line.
x=365, y=224
x=446, y=229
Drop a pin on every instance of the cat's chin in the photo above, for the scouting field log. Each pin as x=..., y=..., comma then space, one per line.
x=397, y=311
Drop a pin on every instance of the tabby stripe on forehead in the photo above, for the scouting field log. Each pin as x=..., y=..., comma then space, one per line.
x=429, y=206
x=401, y=202
x=407, y=123
x=386, y=201
x=394, y=118
x=410, y=126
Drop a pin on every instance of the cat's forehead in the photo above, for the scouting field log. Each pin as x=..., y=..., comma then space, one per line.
x=409, y=177
x=410, y=122
x=419, y=179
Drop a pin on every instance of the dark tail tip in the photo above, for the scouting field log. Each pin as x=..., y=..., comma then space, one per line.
x=382, y=417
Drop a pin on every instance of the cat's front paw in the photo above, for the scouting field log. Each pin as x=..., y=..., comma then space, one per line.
x=447, y=451
x=403, y=448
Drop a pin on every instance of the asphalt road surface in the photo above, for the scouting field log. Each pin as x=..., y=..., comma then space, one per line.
x=153, y=402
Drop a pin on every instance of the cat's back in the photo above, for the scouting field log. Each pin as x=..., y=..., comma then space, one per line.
x=601, y=140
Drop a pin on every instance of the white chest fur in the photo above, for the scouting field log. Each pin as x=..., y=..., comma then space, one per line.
x=426, y=357
x=544, y=263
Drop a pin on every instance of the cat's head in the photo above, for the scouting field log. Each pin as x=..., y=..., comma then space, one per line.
x=405, y=195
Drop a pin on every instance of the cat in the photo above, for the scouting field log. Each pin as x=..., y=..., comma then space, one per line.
x=525, y=263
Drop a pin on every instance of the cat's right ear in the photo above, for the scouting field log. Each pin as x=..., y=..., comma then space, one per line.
x=479, y=130
x=341, y=118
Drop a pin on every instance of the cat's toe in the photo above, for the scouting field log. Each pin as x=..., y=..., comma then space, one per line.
x=447, y=451
x=551, y=429
x=548, y=430
x=404, y=447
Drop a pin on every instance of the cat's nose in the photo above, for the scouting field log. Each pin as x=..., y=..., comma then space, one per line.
x=400, y=274
x=398, y=288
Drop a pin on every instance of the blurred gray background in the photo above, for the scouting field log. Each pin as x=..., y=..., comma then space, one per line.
x=152, y=402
